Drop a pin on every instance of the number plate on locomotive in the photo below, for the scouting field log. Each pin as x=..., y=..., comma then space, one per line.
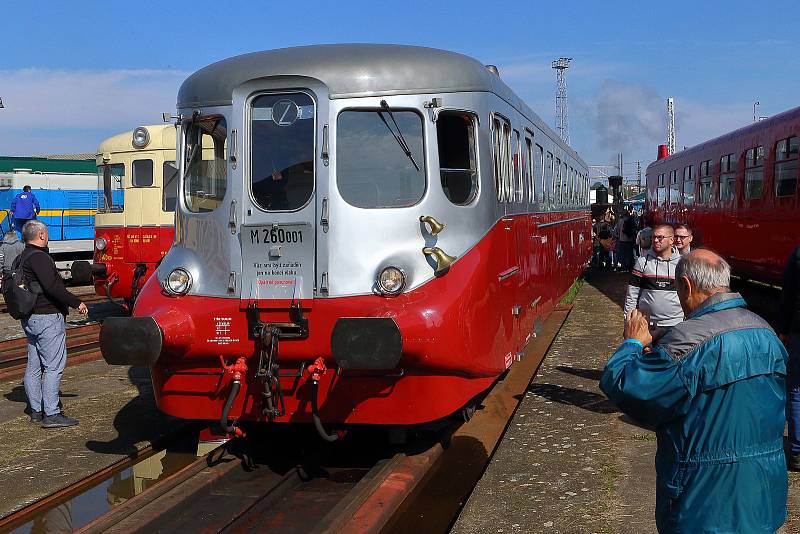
x=278, y=261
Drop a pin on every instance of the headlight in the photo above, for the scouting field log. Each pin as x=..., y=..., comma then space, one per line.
x=391, y=280
x=100, y=243
x=178, y=282
x=141, y=137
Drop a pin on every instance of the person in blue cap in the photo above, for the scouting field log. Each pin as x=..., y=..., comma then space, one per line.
x=24, y=207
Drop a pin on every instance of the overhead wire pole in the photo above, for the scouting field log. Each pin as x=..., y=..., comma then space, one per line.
x=562, y=112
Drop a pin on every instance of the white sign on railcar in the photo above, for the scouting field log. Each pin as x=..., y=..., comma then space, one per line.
x=278, y=261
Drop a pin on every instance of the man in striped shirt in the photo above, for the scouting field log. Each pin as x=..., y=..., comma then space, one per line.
x=652, y=287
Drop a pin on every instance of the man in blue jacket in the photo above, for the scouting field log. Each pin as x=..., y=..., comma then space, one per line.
x=24, y=207
x=714, y=389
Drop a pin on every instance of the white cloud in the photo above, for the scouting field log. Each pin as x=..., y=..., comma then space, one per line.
x=45, y=106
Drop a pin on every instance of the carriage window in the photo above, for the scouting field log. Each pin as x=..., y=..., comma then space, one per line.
x=727, y=178
x=688, y=185
x=539, y=168
x=206, y=177
x=518, y=169
x=786, y=167
x=529, y=170
x=674, y=187
x=110, y=196
x=501, y=136
x=549, y=180
x=282, y=155
x=458, y=167
x=380, y=158
x=169, y=195
x=754, y=172
x=142, y=173
x=557, y=183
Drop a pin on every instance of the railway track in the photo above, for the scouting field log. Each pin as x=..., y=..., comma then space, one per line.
x=285, y=478
x=83, y=344
x=89, y=298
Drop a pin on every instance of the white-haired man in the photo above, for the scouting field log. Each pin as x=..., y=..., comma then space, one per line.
x=714, y=389
x=45, y=327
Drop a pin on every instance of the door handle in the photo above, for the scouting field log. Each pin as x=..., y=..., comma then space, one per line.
x=232, y=222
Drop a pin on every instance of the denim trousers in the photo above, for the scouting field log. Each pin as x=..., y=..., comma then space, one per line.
x=47, y=357
x=793, y=393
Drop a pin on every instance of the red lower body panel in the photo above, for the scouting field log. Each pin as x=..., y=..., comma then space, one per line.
x=459, y=332
x=126, y=248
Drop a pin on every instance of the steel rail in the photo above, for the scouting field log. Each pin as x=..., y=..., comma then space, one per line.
x=83, y=344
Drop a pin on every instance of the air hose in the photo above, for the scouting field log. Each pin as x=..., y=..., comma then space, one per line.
x=223, y=420
x=315, y=414
x=316, y=370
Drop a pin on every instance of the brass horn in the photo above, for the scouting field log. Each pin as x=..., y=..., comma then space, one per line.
x=435, y=225
x=443, y=260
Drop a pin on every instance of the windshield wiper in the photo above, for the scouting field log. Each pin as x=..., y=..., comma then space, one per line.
x=399, y=135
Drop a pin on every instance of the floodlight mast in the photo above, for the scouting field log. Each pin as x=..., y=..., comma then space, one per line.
x=562, y=111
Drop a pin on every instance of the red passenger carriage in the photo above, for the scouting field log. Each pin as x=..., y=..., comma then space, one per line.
x=739, y=193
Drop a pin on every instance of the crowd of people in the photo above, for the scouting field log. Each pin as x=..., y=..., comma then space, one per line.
x=713, y=379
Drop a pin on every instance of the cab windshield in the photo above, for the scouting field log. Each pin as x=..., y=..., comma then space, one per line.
x=110, y=195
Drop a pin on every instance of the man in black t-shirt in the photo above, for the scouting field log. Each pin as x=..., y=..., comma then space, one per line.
x=45, y=328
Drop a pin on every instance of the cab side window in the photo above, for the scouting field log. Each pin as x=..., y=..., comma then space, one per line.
x=458, y=167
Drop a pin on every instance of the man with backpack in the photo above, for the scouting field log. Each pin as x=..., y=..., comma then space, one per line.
x=44, y=327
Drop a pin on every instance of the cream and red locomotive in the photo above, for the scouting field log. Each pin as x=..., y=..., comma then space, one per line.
x=393, y=214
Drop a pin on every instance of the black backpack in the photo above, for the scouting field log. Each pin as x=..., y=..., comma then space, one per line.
x=20, y=297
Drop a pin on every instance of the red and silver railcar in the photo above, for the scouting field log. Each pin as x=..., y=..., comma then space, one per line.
x=739, y=193
x=393, y=214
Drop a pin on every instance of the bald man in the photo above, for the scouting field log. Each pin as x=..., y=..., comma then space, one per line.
x=714, y=389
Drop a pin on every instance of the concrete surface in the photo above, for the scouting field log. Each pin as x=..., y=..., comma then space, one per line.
x=570, y=461
x=117, y=415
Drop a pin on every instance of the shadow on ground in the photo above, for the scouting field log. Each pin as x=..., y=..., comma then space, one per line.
x=136, y=422
x=587, y=400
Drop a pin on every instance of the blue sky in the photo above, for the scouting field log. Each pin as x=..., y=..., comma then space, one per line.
x=74, y=73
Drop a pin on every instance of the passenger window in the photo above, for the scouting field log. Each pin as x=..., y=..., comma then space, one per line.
x=142, y=173
x=455, y=133
x=786, y=167
x=282, y=155
x=550, y=180
x=529, y=170
x=541, y=188
x=206, y=178
x=727, y=178
x=688, y=185
x=502, y=160
x=674, y=188
x=754, y=173
x=705, y=182
x=169, y=190
x=518, y=169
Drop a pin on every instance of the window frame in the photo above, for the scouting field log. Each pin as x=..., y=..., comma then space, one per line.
x=474, y=145
x=152, y=163
x=782, y=161
x=425, y=166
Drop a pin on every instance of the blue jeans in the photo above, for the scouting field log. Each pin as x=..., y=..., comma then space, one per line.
x=47, y=357
x=793, y=393
x=18, y=224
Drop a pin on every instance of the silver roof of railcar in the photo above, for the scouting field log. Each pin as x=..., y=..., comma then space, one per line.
x=353, y=70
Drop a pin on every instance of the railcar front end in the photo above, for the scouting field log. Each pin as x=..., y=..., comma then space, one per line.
x=134, y=225
x=341, y=250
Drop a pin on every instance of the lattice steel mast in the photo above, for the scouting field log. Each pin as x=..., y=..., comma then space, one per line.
x=671, y=125
x=562, y=112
